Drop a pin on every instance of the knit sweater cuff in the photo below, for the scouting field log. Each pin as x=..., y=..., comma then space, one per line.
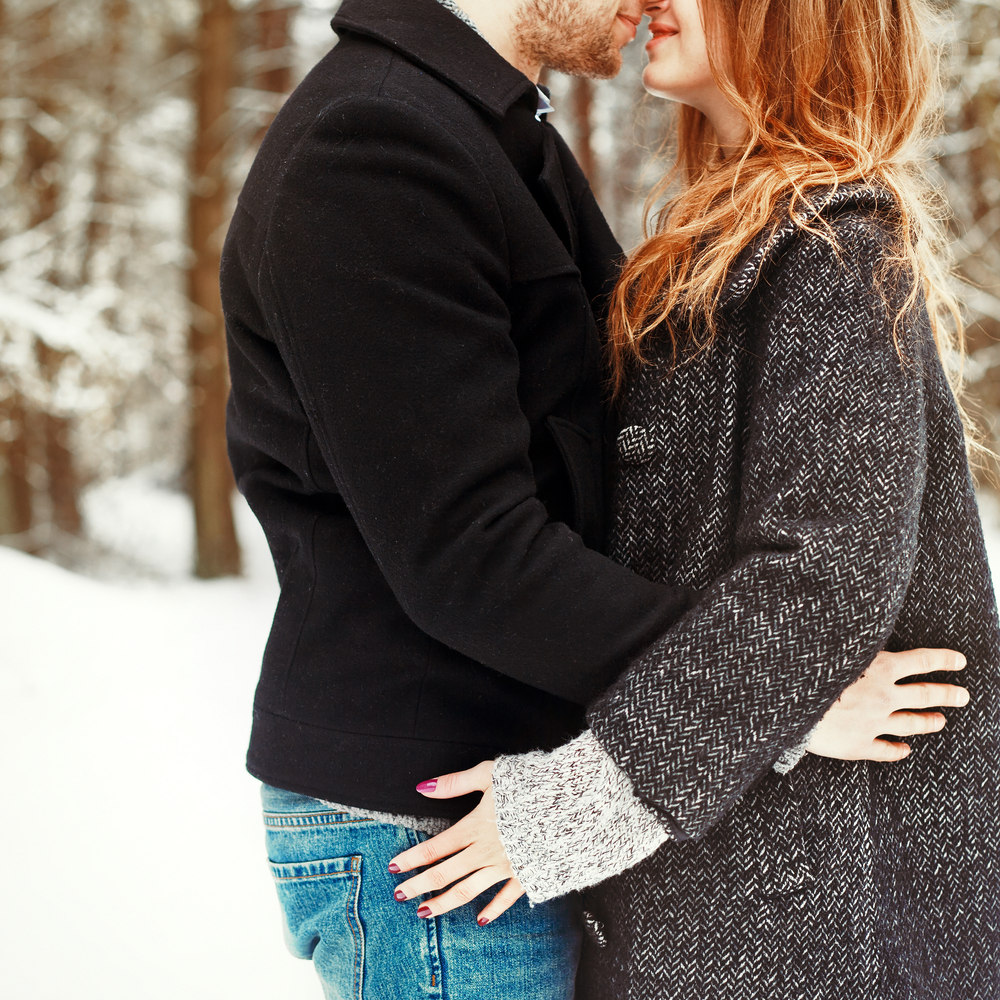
x=791, y=757
x=570, y=818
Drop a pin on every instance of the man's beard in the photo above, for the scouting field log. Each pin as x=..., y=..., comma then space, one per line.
x=567, y=36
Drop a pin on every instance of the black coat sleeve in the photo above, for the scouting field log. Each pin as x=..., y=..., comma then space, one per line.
x=832, y=480
x=385, y=280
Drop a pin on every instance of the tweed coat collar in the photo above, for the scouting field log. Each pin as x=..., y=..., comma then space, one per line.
x=433, y=38
x=823, y=202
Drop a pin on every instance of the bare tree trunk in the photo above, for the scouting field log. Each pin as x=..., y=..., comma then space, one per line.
x=274, y=24
x=15, y=494
x=15, y=491
x=41, y=163
x=98, y=229
x=218, y=552
x=581, y=108
x=63, y=483
x=273, y=29
x=38, y=186
x=975, y=172
x=51, y=445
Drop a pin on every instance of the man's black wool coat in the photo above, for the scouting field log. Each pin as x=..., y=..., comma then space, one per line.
x=410, y=284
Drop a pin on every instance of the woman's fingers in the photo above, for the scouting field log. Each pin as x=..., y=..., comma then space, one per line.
x=450, y=786
x=478, y=827
x=462, y=893
x=914, y=723
x=472, y=859
x=502, y=901
x=921, y=661
x=887, y=751
x=480, y=861
x=878, y=704
x=926, y=695
x=454, y=839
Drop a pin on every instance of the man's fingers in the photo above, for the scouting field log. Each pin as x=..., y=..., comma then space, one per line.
x=887, y=751
x=472, y=859
x=462, y=893
x=450, y=786
x=502, y=901
x=925, y=695
x=426, y=853
x=923, y=661
x=914, y=723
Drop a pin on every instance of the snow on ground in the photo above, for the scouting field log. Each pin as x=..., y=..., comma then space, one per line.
x=134, y=865
x=133, y=853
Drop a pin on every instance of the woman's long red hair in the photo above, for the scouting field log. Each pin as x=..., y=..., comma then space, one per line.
x=832, y=91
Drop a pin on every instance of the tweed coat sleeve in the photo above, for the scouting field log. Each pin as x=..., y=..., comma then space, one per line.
x=569, y=819
x=386, y=282
x=833, y=468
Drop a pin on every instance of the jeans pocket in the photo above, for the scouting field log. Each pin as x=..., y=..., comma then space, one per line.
x=319, y=900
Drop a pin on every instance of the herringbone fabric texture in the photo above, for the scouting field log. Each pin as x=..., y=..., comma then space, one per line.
x=818, y=488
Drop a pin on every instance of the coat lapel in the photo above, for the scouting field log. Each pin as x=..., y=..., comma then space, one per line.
x=553, y=195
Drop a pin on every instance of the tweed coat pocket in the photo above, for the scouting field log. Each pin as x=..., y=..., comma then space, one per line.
x=766, y=839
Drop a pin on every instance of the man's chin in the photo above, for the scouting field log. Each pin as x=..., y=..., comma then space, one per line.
x=614, y=66
x=605, y=65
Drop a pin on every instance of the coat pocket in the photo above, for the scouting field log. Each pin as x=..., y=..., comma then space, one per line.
x=769, y=854
x=582, y=460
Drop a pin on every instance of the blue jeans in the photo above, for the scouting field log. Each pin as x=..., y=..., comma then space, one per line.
x=335, y=888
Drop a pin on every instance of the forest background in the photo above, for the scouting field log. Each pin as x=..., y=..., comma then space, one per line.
x=135, y=865
x=126, y=128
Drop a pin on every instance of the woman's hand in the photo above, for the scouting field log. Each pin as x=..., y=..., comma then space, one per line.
x=479, y=859
x=877, y=704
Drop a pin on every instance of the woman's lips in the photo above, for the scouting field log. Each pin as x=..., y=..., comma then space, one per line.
x=660, y=32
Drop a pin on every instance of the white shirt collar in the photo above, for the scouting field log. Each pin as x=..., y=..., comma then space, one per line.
x=544, y=104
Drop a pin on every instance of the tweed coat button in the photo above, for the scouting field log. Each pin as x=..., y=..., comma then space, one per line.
x=594, y=929
x=635, y=445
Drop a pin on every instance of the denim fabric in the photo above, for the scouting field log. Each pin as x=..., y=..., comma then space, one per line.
x=331, y=872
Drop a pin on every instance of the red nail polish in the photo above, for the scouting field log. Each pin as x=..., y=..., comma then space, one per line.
x=427, y=786
x=424, y=912
x=400, y=896
x=483, y=921
x=394, y=868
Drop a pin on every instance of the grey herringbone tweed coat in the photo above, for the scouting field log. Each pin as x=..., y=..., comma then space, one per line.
x=817, y=486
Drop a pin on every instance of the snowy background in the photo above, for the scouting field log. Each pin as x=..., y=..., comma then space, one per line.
x=134, y=864
x=131, y=834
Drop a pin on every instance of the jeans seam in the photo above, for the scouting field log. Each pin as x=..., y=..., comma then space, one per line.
x=434, y=932
x=432, y=928
x=284, y=821
x=302, y=878
x=356, y=929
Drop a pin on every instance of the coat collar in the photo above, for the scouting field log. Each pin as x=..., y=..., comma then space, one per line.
x=432, y=37
x=824, y=202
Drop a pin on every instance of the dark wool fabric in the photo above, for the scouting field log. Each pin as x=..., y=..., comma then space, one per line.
x=416, y=418
x=819, y=488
